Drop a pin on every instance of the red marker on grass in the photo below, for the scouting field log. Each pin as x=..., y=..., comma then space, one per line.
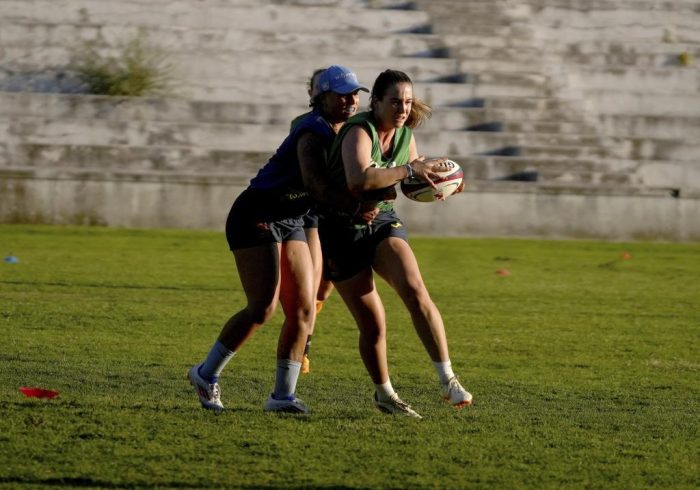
x=32, y=392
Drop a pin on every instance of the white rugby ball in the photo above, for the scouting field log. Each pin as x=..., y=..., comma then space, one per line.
x=448, y=182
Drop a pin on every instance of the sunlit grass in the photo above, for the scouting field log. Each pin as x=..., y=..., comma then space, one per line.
x=584, y=365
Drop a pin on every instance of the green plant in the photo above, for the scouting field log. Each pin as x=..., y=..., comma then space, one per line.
x=138, y=69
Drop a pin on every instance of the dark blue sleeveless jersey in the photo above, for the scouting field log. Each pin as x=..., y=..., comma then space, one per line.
x=282, y=171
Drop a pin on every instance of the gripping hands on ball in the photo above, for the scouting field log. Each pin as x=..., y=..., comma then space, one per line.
x=424, y=170
x=432, y=180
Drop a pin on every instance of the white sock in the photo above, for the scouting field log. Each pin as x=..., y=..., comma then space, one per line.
x=215, y=362
x=444, y=371
x=384, y=391
x=286, y=378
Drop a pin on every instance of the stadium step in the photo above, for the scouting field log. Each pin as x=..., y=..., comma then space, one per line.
x=236, y=78
x=259, y=137
x=186, y=165
x=108, y=158
x=214, y=15
x=28, y=37
x=434, y=57
x=666, y=81
x=435, y=94
x=651, y=126
x=622, y=54
x=510, y=114
x=622, y=102
x=182, y=158
x=546, y=169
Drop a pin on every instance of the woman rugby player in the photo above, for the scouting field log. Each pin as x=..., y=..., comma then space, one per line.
x=265, y=232
x=373, y=151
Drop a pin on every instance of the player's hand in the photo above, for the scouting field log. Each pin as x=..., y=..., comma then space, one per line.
x=366, y=213
x=425, y=169
x=443, y=165
x=368, y=216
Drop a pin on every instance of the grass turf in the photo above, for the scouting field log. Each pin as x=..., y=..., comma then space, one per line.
x=583, y=363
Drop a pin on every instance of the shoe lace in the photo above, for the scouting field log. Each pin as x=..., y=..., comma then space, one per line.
x=215, y=391
x=399, y=403
x=456, y=388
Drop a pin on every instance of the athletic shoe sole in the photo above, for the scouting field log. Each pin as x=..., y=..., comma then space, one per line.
x=294, y=405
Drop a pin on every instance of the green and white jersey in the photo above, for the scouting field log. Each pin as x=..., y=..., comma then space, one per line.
x=400, y=150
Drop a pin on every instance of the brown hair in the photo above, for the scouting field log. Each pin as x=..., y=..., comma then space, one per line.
x=313, y=101
x=420, y=111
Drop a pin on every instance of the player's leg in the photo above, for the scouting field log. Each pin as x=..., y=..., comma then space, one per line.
x=317, y=259
x=325, y=288
x=362, y=299
x=347, y=260
x=259, y=272
x=258, y=269
x=297, y=298
x=396, y=263
x=256, y=249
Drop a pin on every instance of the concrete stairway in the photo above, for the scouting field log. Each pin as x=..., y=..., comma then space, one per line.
x=266, y=62
x=555, y=92
x=621, y=59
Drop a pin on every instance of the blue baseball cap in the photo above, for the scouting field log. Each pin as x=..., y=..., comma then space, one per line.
x=340, y=80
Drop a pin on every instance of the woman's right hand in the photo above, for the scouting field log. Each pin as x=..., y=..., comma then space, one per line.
x=425, y=169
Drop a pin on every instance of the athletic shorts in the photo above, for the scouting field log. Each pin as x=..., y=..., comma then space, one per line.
x=251, y=223
x=349, y=249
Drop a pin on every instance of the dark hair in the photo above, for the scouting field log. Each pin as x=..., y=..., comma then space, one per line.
x=420, y=111
x=314, y=100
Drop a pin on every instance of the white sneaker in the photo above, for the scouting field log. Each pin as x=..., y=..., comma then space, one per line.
x=455, y=394
x=291, y=404
x=209, y=394
x=395, y=405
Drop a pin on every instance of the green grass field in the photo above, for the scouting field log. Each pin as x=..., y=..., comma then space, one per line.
x=585, y=370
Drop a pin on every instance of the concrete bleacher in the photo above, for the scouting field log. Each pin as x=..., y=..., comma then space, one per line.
x=563, y=96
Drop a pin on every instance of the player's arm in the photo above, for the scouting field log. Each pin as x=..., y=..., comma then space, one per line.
x=362, y=176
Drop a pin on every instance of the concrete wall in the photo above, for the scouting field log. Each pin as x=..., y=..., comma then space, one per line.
x=587, y=95
x=141, y=199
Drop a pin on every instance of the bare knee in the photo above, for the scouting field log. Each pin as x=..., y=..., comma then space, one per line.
x=373, y=335
x=259, y=313
x=416, y=297
x=303, y=316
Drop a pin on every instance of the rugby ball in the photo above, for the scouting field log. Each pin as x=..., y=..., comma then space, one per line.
x=448, y=182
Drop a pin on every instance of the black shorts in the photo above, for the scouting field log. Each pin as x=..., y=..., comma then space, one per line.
x=251, y=223
x=348, y=249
